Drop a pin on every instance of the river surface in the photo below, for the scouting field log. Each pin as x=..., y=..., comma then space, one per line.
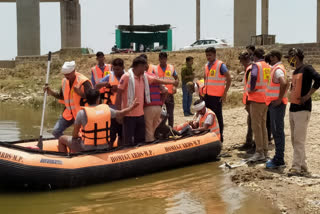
x=196, y=189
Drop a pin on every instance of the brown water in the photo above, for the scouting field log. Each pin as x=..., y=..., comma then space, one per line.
x=197, y=189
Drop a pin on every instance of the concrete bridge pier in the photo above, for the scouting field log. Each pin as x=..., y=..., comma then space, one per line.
x=245, y=16
x=28, y=27
x=70, y=12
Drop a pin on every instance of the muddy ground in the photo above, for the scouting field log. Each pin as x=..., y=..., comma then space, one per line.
x=290, y=194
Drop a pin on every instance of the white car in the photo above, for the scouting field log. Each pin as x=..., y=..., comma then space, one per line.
x=206, y=43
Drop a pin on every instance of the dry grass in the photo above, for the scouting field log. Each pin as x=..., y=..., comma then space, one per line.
x=27, y=79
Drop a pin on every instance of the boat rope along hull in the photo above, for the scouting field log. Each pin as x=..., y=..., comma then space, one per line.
x=65, y=172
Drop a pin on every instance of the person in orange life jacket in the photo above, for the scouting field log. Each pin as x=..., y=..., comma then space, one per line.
x=301, y=89
x=92, y=126
x=111, y=81
x=72, y=93
x=167, y=71
x=259, y=79
x=196, y=87
x=217, y=83
x=99, y=71
x=152, y=110
x=206, y=119
x=268, y=61
x=245, y=60
x=276, y=101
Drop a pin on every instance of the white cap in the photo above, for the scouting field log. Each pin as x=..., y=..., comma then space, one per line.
x=68, y=67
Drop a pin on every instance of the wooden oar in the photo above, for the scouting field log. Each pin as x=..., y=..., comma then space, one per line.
x=40, y=144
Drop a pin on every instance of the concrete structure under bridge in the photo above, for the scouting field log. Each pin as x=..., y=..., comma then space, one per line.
x=28, y=25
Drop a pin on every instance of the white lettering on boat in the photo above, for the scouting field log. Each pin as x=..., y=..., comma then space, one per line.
x=182, y=146
x=131, y=156
x=12, y=157
x=149, y=153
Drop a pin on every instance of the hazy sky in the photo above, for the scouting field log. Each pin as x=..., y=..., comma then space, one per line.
x=292, y=21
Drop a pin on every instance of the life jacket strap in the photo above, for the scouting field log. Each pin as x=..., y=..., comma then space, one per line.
x=109, y=93
x=95, y=133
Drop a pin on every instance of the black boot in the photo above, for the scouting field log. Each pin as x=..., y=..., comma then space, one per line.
x=252, y=150
x=246, y=146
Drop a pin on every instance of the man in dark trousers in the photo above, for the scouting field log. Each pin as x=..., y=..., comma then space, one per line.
x=187, y=75
x=167, y=72
x=217, y=82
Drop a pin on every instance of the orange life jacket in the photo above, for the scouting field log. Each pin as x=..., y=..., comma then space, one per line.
x=245, y=87
x=296, y=85
x=97, y=130
x=151, y=69
x=273, y=89
x=71, y=99
x=215, y=83
x=98, y=74
x=259, y=95
x=166, y=75
x=110, y=96
x=201, y=87
x=215, y=126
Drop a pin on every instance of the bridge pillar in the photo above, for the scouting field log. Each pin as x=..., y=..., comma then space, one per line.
x=28, y=27
x=245, y=19
x=265, y=17
x=70, y=13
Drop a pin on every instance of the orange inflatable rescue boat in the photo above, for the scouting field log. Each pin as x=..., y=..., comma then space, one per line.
x=20, y=165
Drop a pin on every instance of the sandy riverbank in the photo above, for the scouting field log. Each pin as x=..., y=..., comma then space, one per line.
x=291, y=195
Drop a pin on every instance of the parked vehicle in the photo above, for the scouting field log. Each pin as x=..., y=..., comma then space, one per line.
x=205, y=43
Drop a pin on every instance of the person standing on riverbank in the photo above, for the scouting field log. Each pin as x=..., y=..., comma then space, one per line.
x=217, y=83
x=259, y=79
x=277, y=101
x=187, y=75
x=245, y=60
x=72, y=94
x=267, y=58
x=300, y=108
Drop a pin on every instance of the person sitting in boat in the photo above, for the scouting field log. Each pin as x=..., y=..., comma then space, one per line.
x=196, y=87
x=72, y=94
x=204, y=119
x=92, y=125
